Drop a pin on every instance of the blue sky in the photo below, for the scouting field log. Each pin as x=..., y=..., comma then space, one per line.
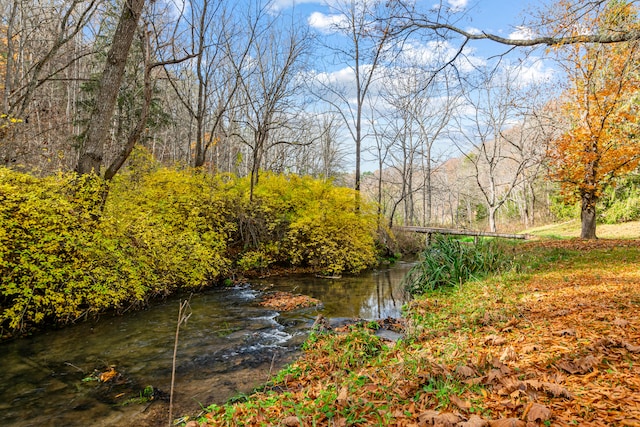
x=500, y=17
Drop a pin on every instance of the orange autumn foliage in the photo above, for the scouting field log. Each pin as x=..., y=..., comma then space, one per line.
x=602, y=107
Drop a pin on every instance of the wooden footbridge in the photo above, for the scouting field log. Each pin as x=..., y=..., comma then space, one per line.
x=429, y=231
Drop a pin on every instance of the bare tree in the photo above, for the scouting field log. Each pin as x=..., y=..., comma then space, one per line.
x=45, y=51
x=36, y=33
x=269, y=91
x=498, y=161
x=363, y=54
x=207, y=87
x=554, y=25
x=425, y=107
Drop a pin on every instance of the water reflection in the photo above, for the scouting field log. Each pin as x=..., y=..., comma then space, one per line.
x=229, y=344
x=373, y=295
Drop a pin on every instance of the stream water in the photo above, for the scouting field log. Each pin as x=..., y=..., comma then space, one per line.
x=230, y=344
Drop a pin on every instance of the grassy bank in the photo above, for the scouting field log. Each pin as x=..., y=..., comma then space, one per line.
x=556, y=342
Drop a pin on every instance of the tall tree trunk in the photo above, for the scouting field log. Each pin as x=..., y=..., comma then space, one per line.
x=588, y=216
x=136, y=132
x=92, y=150
x=492, y=218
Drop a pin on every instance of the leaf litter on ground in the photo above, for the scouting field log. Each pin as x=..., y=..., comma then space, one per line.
x=556, y=344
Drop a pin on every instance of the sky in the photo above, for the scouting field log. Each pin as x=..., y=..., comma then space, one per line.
x=500, y=17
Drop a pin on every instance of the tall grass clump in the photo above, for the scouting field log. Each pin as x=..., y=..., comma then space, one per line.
x=450, y=262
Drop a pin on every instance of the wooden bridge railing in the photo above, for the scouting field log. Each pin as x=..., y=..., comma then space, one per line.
x=436, y=230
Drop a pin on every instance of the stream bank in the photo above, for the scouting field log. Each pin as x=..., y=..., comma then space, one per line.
x=230, y=344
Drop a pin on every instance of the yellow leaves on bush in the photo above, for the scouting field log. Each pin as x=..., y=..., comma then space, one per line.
x=302, y=221
x=65, y=252
x=62, y=256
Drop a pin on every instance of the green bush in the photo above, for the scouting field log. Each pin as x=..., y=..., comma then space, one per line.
x=450, y=262
x=621, y=202
x=622, y=211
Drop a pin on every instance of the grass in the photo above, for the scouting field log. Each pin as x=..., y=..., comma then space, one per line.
x=571, y=229
x=448, y=261
x=486, y=348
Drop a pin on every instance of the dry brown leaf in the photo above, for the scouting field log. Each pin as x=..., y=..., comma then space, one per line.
x=566, y=333
x=507, y=422
x=342, y=396
x=579, y=366
x=462, y=404
x=446, y=419
x=291, y=421
x=508, y=354
x=538, y=412
x=556, y=390
x=428, y=417
x=620, y=322
x=494, y=340
x=531, y=348
x=474, y=421
x=465, y=371
x=632, y=348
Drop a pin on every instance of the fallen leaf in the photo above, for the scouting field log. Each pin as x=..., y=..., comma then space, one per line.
x=428, y=417
x=474, y=421
x=632, y=348
x=579, y=366
x=508, y=354
x=556, y=390
x=620, y=322
x=108, y=375
x=342, y=396
x=494, y=340
x=530, y=348
x=465, y=371
x=291, y=421
x=566, y=333
x=538, y=412
x=507, y=422
x=446, y=419
x=462, y=404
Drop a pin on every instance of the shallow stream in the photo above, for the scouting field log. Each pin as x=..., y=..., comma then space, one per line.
x=230, y=344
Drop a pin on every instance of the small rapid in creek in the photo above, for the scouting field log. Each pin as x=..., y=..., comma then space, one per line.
x=230, y=344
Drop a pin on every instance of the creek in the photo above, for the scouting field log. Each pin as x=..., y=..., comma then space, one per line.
x=230, y=344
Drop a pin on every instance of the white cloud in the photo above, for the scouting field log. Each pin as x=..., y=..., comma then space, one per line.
x=473, y=30
x=531, y=71
x=278, y=5
x=326, y=23
x=522, y=33
x=458, y=5
x=438, y=52
x=343, y=76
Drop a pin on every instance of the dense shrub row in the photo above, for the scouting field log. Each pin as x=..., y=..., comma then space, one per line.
x=64, y=254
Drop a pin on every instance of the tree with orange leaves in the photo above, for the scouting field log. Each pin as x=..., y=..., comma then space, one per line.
x=601, y=140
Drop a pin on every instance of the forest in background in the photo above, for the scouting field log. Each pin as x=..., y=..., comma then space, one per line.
x=449, y=138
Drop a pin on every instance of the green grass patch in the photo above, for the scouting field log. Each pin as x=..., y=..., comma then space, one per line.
x=450, y=262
